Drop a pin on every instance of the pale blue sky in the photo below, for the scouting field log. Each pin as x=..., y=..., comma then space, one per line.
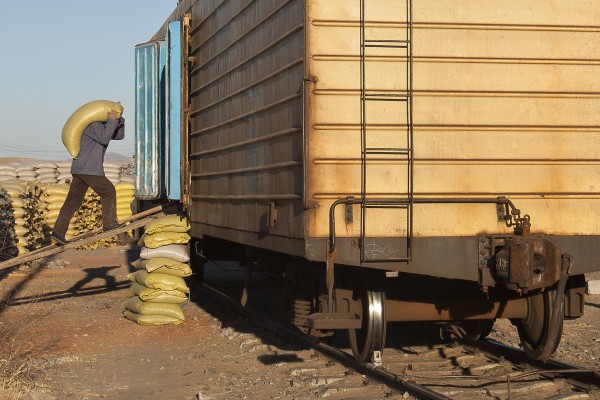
x=60, y=54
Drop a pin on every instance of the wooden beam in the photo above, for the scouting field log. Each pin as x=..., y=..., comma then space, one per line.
x=87, y=238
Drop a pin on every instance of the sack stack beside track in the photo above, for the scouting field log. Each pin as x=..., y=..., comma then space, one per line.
x=158, y=286
x=8, y=238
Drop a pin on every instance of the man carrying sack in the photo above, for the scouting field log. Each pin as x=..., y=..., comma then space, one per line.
x=88, y=172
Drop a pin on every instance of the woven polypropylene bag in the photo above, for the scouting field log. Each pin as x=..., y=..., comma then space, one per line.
x=155, y=280
x=94, y=111
x=136, y=305
x=151, y=319
x=170, y=223
x=156, y=295
x=160, y=239
x=177, y=252
x=163, y=265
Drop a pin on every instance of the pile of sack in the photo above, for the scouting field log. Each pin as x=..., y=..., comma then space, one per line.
x=7, y=172
x=27, y=206
x=112, y=171
x=46, y=172
x=54, y=198
x=25, y=172
x=125, y=196
x=127, y=172
x=8, y=238
x=88, y=218
x=36, y=191
x=63, y=172
x=158, y=287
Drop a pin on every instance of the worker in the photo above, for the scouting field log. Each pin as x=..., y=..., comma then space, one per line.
x=88, y=172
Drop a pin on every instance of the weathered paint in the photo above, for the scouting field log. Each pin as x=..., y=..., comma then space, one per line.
x=147, y=140
x=163, y=115
x=505, y=104
x=174, y=111
x=246, y=117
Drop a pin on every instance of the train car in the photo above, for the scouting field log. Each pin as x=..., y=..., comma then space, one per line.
x=394, y=160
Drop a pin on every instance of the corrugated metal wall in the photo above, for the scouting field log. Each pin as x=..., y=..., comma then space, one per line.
x=246, y=121
x=506, y=103
x=506, y=100
x=147, y=134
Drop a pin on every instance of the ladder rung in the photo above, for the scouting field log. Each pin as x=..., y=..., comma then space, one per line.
x=387, y=41
x=392, y=44
x=387, y=46
x=398, y=206
x=387, y=150
x=386, y=97
x=398, y=44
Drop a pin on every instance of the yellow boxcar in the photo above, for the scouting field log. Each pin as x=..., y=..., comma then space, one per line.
x=455, y=141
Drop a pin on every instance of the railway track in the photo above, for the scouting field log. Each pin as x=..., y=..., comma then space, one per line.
x=417, y=365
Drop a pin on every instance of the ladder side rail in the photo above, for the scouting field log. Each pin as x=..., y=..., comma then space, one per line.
x=386, y=97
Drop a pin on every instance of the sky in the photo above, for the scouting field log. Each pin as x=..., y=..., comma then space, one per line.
x=61, y=54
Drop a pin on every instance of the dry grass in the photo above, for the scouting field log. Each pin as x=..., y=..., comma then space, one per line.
x=17, y=371
x=15, y=368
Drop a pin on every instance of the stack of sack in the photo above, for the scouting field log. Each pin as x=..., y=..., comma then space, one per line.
x=158, y=287
x=46, y=172
x=29, y=216
x=54, y=198
x=8, y=238
x=112, y=171
x=25, y=172
x=7, y=172
x=125, y=196
x=127, y=172
x=89, y=217
x=63, y=171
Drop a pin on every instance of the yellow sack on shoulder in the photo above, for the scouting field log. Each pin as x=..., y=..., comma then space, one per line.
x=94, y=111
x=163, y=239
x=170, y=223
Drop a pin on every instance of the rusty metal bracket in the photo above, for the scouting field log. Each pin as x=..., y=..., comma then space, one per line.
x=272, y=216
x=349, y=213
x=329, y=278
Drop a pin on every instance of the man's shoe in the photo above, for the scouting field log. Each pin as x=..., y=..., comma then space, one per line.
x=58, y=239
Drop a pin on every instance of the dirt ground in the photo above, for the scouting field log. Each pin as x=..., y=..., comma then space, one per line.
x=62, y=328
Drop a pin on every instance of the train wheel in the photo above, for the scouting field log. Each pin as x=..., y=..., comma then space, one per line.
x=533, y=329
x=479, y=329
x=368, y=302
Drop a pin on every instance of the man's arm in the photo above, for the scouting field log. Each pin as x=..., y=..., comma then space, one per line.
x=103, y=133
x=120, y=132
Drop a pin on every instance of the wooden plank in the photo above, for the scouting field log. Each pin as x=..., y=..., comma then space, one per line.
x=87, y=238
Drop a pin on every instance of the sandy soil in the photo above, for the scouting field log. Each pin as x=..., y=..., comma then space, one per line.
x=65, y=322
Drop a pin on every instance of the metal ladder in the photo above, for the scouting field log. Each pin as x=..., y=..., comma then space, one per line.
x=401, y=51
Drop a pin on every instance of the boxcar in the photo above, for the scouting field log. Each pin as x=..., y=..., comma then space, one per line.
x=395, y=160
